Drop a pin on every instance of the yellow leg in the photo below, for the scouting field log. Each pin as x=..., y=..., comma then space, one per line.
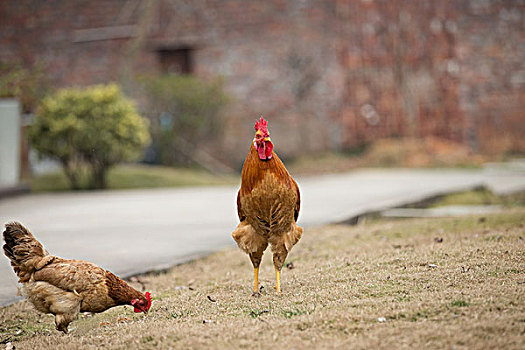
x=256, y=280
x=278, y=281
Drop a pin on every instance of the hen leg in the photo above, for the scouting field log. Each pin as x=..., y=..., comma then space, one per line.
x=65, y=307
x=63, y=320
x=61, y=323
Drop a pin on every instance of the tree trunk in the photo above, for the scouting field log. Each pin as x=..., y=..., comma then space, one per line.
x=99, y=175
x=71, y=175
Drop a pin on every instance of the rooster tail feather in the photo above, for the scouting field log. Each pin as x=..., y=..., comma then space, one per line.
x=22, y=248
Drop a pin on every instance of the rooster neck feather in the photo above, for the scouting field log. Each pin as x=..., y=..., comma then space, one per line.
x=254, y=170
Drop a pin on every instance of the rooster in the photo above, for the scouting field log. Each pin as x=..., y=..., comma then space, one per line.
x=268, y=204
x=65, y=287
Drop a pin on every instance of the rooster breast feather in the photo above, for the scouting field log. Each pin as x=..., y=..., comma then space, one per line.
x=270, y=177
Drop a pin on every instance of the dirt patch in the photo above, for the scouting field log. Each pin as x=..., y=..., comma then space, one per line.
x=432, y=283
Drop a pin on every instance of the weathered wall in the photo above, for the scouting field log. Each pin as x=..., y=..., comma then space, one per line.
x=327, y=74
x=491, y=54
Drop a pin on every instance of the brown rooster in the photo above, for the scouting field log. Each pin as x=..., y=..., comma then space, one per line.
x=65, y=287
x=268, y=204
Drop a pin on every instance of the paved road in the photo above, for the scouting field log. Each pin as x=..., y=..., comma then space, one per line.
x=135, y=231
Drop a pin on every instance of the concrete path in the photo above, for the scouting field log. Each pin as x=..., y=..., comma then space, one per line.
x=135, y=231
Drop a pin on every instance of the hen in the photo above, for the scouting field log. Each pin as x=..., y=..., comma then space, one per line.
x=268, y=204
x=65, y=287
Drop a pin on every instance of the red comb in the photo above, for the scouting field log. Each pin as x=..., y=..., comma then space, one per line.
x=262, y=125
x=148, y=298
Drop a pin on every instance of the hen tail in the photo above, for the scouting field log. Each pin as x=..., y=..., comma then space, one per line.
x=24, y=251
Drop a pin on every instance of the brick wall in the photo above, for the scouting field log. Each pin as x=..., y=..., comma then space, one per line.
x=491, y=54
x=327, y=74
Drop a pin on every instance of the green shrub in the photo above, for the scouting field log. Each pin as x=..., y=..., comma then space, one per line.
x=89, y=130
x=185, y=113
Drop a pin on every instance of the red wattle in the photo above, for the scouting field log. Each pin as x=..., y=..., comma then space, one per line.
x=261, y=151
x=269, y=149
x=264, y=149
x=148, y=298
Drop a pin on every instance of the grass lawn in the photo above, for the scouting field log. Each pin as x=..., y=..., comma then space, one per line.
x=415, y=283
x=138, y=176
x=481, y=196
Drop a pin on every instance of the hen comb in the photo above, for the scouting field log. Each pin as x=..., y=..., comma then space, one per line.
x=148, y=298
x=262, y=125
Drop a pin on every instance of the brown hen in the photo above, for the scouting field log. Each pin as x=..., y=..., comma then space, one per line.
x=64, y=287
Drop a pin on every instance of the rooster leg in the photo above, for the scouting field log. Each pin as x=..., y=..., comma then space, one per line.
x=256, y=261
x=279, y=257
x=277, y=281
x=255, y=280
x=254, y=245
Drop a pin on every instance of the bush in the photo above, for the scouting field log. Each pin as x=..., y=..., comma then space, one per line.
x=185, y=114
x=89, y=130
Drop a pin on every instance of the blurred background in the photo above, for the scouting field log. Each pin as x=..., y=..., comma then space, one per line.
x=344, y=84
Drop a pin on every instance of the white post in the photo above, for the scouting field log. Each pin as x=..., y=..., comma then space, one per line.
x=9, y=142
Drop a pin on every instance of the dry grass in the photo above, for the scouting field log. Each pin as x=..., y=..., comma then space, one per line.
x=389, y=284
x=427, y=152
x=430, y=152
